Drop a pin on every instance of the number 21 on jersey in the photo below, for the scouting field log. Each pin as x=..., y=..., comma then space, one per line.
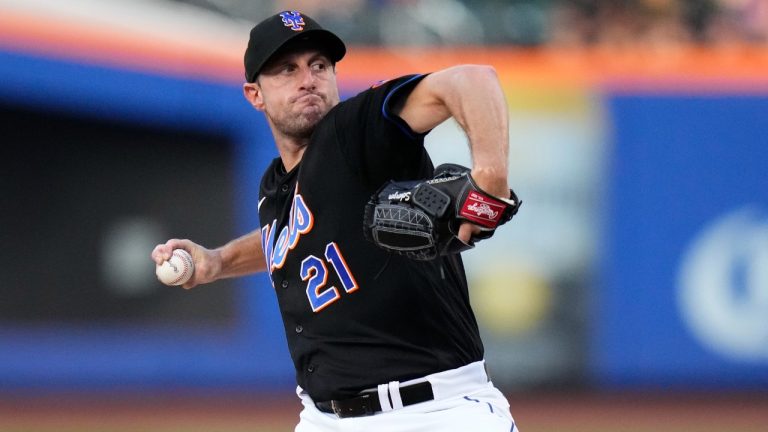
x=315, y=272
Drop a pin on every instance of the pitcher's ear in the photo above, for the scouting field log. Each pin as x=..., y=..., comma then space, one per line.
x=253, y=94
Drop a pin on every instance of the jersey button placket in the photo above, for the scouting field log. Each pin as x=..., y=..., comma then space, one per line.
x=284, y=188
x=284, y=283
x=299, y=328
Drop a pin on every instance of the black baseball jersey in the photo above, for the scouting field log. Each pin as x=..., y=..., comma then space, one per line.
x=354, y=315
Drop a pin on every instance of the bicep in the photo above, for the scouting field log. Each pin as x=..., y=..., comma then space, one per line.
x=424, y=107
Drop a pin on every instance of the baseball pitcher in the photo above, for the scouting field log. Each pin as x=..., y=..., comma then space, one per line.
x=361, y=235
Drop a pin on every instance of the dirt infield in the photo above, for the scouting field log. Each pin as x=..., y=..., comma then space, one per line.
x=633, y=412
x=560, y=412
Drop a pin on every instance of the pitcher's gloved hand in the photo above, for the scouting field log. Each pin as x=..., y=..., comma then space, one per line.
x=421, y=218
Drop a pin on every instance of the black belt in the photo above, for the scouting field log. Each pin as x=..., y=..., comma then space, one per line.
x=368, y=403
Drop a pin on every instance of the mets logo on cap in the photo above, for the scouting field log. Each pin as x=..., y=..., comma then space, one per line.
x=293, y=19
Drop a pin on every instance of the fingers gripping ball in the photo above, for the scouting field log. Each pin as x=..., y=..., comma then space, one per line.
x=177, y=270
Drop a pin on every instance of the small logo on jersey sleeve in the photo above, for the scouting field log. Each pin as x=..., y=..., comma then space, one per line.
x=380, y=83
x=293, y=19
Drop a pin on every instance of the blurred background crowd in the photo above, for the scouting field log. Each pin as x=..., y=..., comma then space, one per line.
x=568, y=23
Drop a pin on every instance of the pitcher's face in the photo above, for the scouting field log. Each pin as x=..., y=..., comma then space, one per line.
x=296, y=90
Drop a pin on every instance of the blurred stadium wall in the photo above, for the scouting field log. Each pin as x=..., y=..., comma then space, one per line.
x=639, y=259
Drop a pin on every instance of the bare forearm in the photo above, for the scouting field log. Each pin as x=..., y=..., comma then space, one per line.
x=478, y=104
x=242, y=256
x=239, y=257
x=472, y=95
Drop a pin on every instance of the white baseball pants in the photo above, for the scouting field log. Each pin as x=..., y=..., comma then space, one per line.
x=465, y=401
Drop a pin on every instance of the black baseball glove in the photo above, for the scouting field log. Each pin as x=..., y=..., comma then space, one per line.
x=421, y=218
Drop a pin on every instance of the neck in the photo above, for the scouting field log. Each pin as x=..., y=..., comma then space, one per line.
x=291, y=150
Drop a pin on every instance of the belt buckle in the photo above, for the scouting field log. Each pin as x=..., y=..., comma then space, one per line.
x=361, y=407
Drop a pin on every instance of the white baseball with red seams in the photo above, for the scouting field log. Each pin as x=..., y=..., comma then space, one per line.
x=177, y=270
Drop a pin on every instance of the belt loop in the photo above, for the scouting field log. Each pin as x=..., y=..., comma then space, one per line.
x=384, y=398
x=394, y=392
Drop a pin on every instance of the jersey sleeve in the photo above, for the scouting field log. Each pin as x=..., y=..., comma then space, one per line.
x=378, y=144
